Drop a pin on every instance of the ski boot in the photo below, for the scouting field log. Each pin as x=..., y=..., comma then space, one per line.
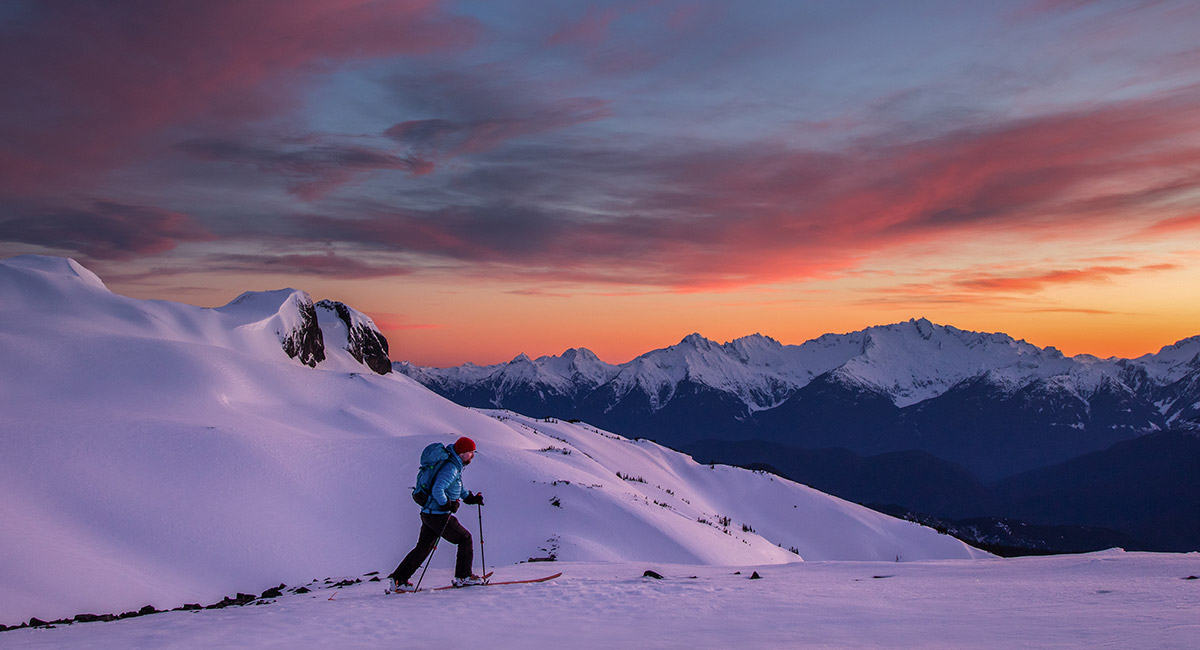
x=397, y=587
x=469, y=581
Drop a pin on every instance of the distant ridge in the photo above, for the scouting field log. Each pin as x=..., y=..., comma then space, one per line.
x=992, y=403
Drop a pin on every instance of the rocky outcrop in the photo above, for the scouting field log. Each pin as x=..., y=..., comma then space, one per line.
x=304, y=340
x=363, y=340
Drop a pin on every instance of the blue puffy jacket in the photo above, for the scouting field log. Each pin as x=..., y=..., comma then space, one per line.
x=447, y=486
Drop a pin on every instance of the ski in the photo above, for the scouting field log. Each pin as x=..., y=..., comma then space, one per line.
x=506, y=582
x=389, y=591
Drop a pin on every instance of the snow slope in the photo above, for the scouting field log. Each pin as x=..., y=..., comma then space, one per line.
x=160, y=453
x=1108, y=601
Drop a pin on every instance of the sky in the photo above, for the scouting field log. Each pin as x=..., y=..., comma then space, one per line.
x=487, y=179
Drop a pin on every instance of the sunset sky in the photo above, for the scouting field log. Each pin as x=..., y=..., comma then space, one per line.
x=491, y=178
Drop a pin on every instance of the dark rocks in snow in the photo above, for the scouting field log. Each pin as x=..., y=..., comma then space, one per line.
x=305, y=342
x=367, y=345
x=241, y=599
x=274, y=592
x=652, y=574
x=755, y=576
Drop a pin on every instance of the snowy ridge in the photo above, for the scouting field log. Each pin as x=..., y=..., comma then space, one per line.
x=910, y=362
x=159, y=453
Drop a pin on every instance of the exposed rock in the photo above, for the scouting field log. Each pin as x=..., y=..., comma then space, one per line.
x=241, y=599
x=305, y=342
x=274, y=592
x=364, y=341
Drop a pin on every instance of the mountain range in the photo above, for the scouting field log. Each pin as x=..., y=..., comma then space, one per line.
x=994, y=404
x=908, y=416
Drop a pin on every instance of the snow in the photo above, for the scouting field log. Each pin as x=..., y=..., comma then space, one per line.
x=910, y=362
x=1104, y=600
x=159, y=453
x=1172, y=362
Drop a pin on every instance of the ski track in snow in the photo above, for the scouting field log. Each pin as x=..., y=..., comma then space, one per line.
x=1102, y=600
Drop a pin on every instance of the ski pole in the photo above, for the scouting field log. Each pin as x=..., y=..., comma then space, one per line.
x=482, y=555
x=429, y=560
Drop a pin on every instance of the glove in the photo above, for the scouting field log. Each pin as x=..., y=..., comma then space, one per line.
x=452, y=506
x=473, y=499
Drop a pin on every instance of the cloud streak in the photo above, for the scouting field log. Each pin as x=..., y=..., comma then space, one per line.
x=310, y=170
x=105, y=230
x=720, y=216
x=1039, y=281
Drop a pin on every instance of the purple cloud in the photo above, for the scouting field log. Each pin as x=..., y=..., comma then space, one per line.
x=105, y=230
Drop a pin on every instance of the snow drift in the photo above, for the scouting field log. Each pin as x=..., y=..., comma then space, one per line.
x=160, y=453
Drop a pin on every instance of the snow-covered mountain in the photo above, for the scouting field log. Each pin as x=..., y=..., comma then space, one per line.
x=159, y=453
x=907, y=385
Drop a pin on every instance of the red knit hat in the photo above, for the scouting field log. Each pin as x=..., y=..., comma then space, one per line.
x=463, y=445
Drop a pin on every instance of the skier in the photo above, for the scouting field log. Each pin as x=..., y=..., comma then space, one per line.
x=438, y=520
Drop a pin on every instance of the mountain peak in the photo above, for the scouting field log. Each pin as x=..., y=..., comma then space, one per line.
x=1189, y=346
x=924, y=327
x=756, y=339
x=55, y=266
x=695, y=340
x=580, y=354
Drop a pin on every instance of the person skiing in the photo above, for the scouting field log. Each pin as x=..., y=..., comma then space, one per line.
x=438, y=520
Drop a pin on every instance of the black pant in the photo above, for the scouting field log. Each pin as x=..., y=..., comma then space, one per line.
x=451, y=531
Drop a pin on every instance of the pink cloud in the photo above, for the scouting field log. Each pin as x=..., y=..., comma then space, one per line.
x=84, y=82
x=106, y=230
x=704, y=219
x=1039, y=281
x=1173, y=225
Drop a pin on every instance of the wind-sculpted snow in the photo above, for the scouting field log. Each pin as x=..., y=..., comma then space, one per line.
x=159, y=453
x=290, y=314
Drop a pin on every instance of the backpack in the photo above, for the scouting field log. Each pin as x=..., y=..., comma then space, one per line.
x=434, y=456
